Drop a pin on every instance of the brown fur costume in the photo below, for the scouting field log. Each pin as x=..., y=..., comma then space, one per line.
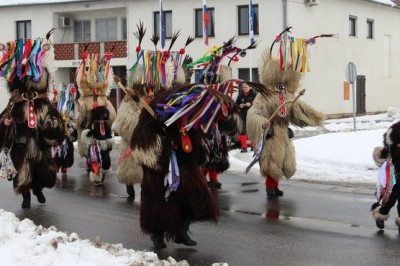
x=153, y=143
x=129, y=172
x=278, y=155
x=30, y=146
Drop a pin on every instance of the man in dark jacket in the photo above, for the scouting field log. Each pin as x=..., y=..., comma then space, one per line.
x=244, y=100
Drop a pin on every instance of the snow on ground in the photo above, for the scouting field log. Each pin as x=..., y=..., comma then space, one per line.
x=341, y=155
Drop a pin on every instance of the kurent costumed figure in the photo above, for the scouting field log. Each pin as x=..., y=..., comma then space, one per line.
x=30, y=125
x=95, y=114
x=388, y=190
x=145, y=78
x=281, y=76
x=172, y=145
x=219, y=157
x=213, y=71
x=64, y=152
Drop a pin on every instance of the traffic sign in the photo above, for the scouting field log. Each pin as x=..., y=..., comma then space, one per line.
x=351, y=72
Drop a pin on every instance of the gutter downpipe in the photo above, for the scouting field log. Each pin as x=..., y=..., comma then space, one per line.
x=284, y=20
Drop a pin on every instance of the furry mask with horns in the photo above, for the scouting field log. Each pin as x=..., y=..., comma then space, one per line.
x=155, y=69
x=94, y=75
x=27, y=64
x=285, y=71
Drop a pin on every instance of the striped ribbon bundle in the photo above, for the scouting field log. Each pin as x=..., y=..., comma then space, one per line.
x=153, y=65
x=172, y=179
x=293, y=54
x=210, y=63
x=65, y=101
x=21, y=58
x=95, y=68
x=194, y=106
x=93, y=156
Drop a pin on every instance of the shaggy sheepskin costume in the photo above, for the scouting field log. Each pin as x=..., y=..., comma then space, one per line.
x=30, y=125
x=128, y=172
x=143, y=86
x=277, y=159
x=172, y=142
x=96, y=114
x=174, y=189
x=388, y=190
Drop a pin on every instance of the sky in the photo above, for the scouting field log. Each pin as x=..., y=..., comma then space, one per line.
x=21, y=2
x=11, y=2
x=342, y=155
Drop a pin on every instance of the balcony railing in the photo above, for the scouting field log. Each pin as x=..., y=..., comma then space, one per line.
x=74, y=51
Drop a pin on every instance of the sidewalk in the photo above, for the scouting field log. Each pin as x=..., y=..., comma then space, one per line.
x=334, y=155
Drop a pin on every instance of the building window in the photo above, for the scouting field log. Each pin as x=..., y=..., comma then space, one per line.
x=244, y=73
x=199, y=22
x=106, y=29
x=168, y=23
x=370, y=28
x=124, y=32
x=24, y=29
x=243, y=13
x=353, y=26
x=82, y=30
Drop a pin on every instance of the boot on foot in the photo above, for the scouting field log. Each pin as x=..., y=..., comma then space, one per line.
x=274, y=192
x=214, y=184
x=184, y=238
x=397, y=222
x=278, y=192
x=130, y=190
x=270, y=192
x=380, y=224
x=39, y=195
x=158, y=241
x=26, y=200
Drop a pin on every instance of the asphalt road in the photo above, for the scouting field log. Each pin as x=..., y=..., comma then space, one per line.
x=312, y=224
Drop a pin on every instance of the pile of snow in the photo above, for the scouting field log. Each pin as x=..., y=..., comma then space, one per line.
x=24, y=243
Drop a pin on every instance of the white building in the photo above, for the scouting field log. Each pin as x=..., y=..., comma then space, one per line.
x=366, y=31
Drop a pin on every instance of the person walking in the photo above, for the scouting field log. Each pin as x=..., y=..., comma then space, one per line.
x=388, y=190
x=244, y=100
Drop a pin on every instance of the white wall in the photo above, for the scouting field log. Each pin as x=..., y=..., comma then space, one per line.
x=329, y=56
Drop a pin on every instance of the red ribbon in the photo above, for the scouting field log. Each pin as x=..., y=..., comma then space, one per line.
x=186, y=142
x=282, y=110
x=32, y=120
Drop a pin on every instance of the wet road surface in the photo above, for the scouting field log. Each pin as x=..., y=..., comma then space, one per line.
x=312, y=224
